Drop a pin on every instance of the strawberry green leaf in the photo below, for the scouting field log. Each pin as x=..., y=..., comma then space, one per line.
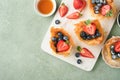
x=88, y=22
x=110, y=13
x=67, y=42
x=79, y=48
x=63, y=4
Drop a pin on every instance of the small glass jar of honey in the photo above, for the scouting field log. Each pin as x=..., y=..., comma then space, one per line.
x=45, y=8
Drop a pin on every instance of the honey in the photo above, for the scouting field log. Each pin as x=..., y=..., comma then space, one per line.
x=45, y=6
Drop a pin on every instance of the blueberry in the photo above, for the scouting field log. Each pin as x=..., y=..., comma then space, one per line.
x=97, y=33
x=112, y=47
x=84, y=37
x=57, y=21
x=93, y=36
x=77, y=54
x=60, y=38
x=79, y=61
x=104, y=2
x=99, y=5
x=89, y=37
x=54, y=39
x=118, y=55
x=96, y=12
x=112, y=52
x=59, y=34
x=65, y=38
x=83, y=34
x=96, y=8
x=114, y=56
x=93, y=1
x=97, y=1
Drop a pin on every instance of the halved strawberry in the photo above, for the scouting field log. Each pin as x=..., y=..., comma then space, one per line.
x=86, y=53
x=79, y=4
x=90, y=29
x=105, y=9
x=62, y=46
x=63, y=10
x=74, y=15
x=117, y=46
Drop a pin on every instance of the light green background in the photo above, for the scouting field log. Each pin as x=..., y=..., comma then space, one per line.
x=21, y=33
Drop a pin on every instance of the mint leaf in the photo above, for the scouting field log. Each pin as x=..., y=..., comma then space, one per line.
x=88, y=22
x=67, y=42
x=110, y=13
x=79, y=48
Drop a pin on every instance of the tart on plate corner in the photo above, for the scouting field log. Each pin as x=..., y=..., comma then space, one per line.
x=102, y=8
x=89, y=32
x=111, y=52
x=60, y=42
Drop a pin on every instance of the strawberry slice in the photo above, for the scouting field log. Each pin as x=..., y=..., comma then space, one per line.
x=117, y=46
x=74, y=15
x=63, y=10
x=79, y=4
x=105, y=9
x=90, y=29
x=62, y=46
x=86, y=53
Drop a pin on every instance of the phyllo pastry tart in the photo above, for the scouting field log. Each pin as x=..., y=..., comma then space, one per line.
x=111, y=52
x=89, y=32
x=102, y=8
x=60, y=41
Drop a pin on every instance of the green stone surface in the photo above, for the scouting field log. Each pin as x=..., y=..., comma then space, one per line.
x=21, y=58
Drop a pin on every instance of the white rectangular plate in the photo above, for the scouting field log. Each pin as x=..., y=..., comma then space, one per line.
x=68, y=25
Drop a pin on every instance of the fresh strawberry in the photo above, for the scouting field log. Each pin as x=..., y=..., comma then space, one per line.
x=79, y=4
x=62, y=46
x=86, y=53
x=63, y=10
x=117, y=46
x=74, y=15
x=105, y=9
x=90, y=29
x=84, y=5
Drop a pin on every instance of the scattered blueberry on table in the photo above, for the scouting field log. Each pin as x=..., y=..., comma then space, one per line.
x=79, y=61
x=77, y=54
x=57, y=21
